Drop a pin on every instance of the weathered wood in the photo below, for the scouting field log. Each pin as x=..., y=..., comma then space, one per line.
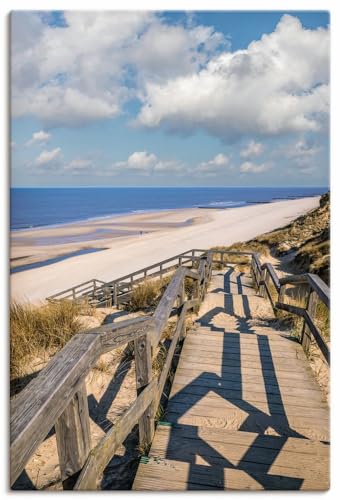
x=168, y=361
x=101, y=455
x=73, y=437
x=117, y=334
x=273, y=275
x=317, y=336
x=320, y=287
x=166, y=303
x=299, y=311
x=143, y=362
x=262, y=288
x=35, y=410
x=306, y=333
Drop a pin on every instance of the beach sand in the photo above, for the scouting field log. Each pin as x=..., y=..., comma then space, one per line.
x=134, y=241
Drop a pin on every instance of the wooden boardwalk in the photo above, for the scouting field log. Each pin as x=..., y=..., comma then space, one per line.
x=245, y=411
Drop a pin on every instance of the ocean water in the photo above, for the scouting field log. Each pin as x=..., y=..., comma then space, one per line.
x=39, y=207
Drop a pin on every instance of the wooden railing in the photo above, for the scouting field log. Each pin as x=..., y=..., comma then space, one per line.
x=119, y=290
x=57, y=397
x=309, y=288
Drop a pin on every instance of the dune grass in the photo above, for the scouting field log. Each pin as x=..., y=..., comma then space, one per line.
x=242, y=262
x=38, y=331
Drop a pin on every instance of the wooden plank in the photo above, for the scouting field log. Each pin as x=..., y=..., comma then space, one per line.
x=276, y=339
x=35, y=410
x=177, y=446
x=143, y=362
x=307, y=427
x=210, y=435
x=214, y=404
x=250, y=350
x=217, y=400
x=310, y=392
x=256, y=395
x=171, y=475
x=246, y=378
x=105, y=450
x=241, y=360
x=252, y=370
x=73, y=437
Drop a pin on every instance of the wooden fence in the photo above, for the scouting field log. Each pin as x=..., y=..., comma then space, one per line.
x=118, y=291
x=57, y=397
x=309, y=288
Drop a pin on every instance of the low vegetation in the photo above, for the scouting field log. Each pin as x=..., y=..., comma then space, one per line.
x=242, y=262
x=147, y=294
x=306, y=239
x=36, y=332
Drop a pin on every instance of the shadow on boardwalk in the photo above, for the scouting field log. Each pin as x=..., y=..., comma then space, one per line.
x=252, y=462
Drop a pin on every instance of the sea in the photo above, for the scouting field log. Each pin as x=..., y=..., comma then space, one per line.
x=40, y=207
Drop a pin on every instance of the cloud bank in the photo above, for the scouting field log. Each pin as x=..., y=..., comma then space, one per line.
x=184, y=77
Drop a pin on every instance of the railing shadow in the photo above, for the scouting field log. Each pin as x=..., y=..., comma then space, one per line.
x=98, y=410
x=229, y=386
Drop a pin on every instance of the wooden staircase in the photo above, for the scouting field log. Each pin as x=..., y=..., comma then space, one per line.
x=245, y=411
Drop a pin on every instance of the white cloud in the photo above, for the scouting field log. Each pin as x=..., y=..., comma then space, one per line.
x=145, y=163
x=252, y=150
x=249, y=167
x=38, y=138
x=140, y=161
x=301, y=152
x=214, y=166
x=52, y=157
x=88, y=70
x=79, y=166
x=279, y=84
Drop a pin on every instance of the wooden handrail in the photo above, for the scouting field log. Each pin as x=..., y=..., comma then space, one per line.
x=315, y=283
x=57, y=396
x=39, y=406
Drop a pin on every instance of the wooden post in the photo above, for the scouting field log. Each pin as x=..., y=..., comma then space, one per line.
x=161, y=270
x=181, y=302
x=306, y=334
x=262, y=287
x=73, y=437
x=115, y=295
x=143, y=362
x=73, y=293
x=180, y=261
x=282, y=292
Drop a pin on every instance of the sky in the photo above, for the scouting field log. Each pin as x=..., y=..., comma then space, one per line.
x=169, y=98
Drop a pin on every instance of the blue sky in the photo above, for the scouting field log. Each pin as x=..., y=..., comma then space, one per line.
x=170, y=99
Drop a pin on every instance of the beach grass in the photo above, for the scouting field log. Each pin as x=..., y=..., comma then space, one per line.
x=38, y=331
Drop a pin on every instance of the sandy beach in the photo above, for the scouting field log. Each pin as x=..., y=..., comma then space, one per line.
x=112, y=247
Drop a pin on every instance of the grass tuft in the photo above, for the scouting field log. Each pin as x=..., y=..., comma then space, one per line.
x=36, y=331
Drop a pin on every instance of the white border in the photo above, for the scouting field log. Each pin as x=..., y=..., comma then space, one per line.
x=333, y=7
